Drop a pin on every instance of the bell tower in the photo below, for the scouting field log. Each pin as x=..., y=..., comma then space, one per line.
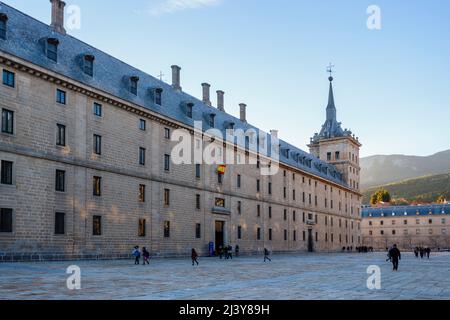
x=337, y=146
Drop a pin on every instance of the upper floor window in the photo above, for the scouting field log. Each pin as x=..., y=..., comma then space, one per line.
x=97, y=186
x=158, y=96
x=212, y=118
x=97, y=144
x=142, y=156
x=61, y=135
x=190, y=107
x=7, y=121
x=220, y=202
x=6, y=172
x=329, y=156
x=337, y=155
x=88, y=67
x=52, y=49
x=60, y=96
x=3, y=21
x=142, y=125
x=9, y=78
x=97, y=109
x=60, y=181
x=167, y=133
x=134, y=85
x=167, y=162
x=238, y=182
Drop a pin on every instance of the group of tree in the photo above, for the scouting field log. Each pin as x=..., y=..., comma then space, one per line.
x=380, y=196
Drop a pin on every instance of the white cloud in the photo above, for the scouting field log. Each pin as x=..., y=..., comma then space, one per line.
x=171, y=6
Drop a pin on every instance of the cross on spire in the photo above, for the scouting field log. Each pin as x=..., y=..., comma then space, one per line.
x=330, y=71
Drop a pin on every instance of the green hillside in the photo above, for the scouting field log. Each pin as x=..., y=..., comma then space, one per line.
x=424, y=189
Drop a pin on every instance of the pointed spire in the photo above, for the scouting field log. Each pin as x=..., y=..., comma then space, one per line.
x=331, y=108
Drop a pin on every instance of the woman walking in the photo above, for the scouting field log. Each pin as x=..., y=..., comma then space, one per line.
x=146, y=255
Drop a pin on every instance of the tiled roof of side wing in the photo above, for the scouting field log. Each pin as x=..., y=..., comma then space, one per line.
x=24, y=40
x=406, y=211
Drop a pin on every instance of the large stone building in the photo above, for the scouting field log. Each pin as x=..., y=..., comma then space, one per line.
x=406, y=226
x=87, y=168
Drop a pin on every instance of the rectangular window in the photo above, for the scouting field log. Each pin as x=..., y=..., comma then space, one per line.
x=239, y=207
x=97, y=109
x=258, y=185
x=220, y=202
x=142, y=125
x=97, y=144
x=60, y=96
x=189, y=110
x=97, y=225
x=197, y=202
x=60, y=182
x=7, y=121
x=270, y=187
x=166, y=197
x=239, y=232
x=270, y=234
x=133, y=86
x=6, y=220
x=329, y=156
x=167, y=162
x=52, y=51
x=60, y=223
x=142, y=156
x=60, y=135
x=167, y=133
x=238, y=182
x=285, y=215
x=294, y=216
x=295, y=236
x=7, y=172
x=197, y=171
x=142, y=193
x=258, y=234
x=219, y=178
x=3, y=21
x=198, y=230
x=8, y=78
x=97, y=186
x=303, y=217
x=284, y=192
x=212, y=120
x=304, y=235
x=270, y=212
x=293, y=195
x=258, y=210
x=166, y=229
x=141, y=228
x=285, y=235
x=158, y=96
x=89, y=66
x=337, y=155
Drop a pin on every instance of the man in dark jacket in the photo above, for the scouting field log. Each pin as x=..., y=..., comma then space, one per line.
x=395, y=255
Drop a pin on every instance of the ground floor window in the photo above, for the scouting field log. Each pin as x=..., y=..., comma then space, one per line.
x=141, y=229
x=60, y=223
x=97, y=226
x=166, y=229
x=198, y=231
x=6, y=220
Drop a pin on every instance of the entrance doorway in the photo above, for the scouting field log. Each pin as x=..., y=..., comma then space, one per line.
x=220, y=233
x=310, y=241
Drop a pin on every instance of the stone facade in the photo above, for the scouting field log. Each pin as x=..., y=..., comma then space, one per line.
x=303, y=211
x=408, y=227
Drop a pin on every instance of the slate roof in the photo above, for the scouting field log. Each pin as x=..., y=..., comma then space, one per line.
x=26, y=39
x=405, y=211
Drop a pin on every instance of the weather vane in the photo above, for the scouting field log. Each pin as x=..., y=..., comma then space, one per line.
x=161, y=75
x=330, y=71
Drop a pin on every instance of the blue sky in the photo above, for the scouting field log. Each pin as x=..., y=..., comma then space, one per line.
x=391, y=85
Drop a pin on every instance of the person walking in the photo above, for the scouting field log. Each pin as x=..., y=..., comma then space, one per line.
x=230, y=252
x=266, y=255
x=225, y=252
x=416, y=252
x=146, y=255
x=421, y=252
x=428, y=252
x=236, y=250
x=220, y=252
x=194, y=257
x=136, y=254
x=395, y=256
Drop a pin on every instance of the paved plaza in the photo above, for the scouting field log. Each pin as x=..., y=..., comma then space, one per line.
x=292, y=277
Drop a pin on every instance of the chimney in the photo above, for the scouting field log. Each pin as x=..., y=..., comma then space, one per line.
x=243, y=108
x=274, y=134
x=176, y=77
x=206, y=87
x=58, y=16
x=220, y=100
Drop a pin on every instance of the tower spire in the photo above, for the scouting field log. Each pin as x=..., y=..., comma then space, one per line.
x=331, y=108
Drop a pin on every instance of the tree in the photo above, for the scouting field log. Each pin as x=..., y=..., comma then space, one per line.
x=381, y=195
x=441, y=200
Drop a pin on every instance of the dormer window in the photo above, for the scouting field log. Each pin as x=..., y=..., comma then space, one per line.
x=134, y=85
x=88, y=67
x=3, y=20
x=231, y=125
x=158, y=96
x=212, y=118
x=52, y=49
x=189, y=108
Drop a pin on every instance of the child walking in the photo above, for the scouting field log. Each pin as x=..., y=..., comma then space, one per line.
x=194, y=257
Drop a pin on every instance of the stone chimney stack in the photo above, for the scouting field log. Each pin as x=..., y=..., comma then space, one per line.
x=206, y=95
x=274, y=134
x=243, y=108
x=220, y=100
x=58, y=16
x=176, y=83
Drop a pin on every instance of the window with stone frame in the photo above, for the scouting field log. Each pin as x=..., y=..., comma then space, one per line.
x=166, y=229
x=3, y=25
x=9, y=78
x=6, y=172
x=60, y=181
x=97, y=225
x=60, y=223
x=7, y=121
x=6, y=220
x=142, y=227
x=142, y=193
x=220, y=202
